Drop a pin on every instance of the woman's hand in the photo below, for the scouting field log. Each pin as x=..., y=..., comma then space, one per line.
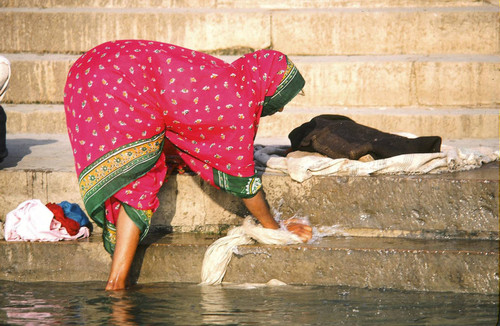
x=303, y=231
x=259, y=208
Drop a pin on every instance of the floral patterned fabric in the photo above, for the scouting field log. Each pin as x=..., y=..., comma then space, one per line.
x=125, y=99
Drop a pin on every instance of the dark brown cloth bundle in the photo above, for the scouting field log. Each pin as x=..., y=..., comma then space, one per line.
x=338, y=136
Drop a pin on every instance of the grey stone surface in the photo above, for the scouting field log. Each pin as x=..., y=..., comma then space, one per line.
x=430, y=67
x=280, y=4
x=376, y=263
x=456, y=266
x=448, y=123
x=419, y=81
x=323, y=31
x=450, y=205
x=387, y=31
x=207, y=30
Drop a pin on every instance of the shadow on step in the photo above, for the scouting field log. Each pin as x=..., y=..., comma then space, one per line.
x=20, y=148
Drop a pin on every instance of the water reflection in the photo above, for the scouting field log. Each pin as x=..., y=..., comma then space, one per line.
x=27, y=307
x=123, y=309
x=189, y=304
x=215, y=306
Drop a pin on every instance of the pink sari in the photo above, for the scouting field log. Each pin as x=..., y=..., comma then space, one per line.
x=125, y=99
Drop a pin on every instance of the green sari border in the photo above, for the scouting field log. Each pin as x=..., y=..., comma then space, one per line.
x=243, y=187
x=141, y=218
x=103, y=178
x=289, y=87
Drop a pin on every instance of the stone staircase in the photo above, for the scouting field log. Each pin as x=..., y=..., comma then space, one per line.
x=428, y=67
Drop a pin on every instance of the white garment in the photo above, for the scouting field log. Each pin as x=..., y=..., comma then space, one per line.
x=218, y=255
x=4, y=75
x=33, y=221
x=303, y=165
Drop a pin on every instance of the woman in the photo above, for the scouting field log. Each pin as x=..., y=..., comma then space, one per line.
x=125, y=100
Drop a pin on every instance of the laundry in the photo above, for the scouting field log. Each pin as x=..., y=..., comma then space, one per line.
x=218, y=255
x=304, y=165
x=74, y=212
x=300, y=165
x=33, y=221
x=337, y=136
x=70, y=225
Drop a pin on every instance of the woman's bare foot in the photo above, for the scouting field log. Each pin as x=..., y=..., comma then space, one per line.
x=127, y=239
x=116, y=284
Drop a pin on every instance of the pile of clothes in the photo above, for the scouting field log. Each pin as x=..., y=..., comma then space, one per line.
x=34, y=221
x=337, y=136
x=334, y=145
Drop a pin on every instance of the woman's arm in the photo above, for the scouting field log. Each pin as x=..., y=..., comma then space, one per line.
x=258, y=207
x=250, y=191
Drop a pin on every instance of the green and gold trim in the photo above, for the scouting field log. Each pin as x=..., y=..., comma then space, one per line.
x=141, y=218
x=291, y=84
x=114, y=170
x=238, y=186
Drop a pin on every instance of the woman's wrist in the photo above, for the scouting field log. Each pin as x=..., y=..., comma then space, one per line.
x=259, y=208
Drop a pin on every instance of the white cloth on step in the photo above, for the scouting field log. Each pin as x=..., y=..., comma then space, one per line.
x=303, y=165
x=33, y=221
x=218, y=255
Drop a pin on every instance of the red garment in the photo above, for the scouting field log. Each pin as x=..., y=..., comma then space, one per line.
x=72, y=226
x=127, y=91
x=125, y=99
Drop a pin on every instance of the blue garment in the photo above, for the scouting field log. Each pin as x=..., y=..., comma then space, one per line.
x=74, y=212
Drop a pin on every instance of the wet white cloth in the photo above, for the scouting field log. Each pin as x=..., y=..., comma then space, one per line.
x=303, y=165
x=218, y=255
x=33, y=221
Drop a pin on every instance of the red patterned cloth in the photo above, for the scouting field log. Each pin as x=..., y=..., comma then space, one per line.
x=71, y=226
x=124, y=99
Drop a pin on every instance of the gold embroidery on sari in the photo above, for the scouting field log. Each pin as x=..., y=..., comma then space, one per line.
x=116, y=162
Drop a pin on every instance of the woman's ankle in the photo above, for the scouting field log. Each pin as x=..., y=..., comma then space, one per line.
x=115, y=284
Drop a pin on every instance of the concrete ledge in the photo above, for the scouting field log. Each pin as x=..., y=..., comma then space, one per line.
x=382, y=263
x=449, y=123
x=352, y=81
x=35, y=118
x=452, y=205
x=323, y=31
x=280, y=4
x=452, y=123
x=38, y=78
x=110, y=4
x=405, y=80
x=387, y=31
x=456, y=266
x=78, y=30
x=285, y=4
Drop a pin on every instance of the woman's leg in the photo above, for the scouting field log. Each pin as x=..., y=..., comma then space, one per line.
x=127, y=239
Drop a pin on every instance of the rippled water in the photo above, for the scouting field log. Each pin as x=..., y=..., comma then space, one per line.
x=86, y=303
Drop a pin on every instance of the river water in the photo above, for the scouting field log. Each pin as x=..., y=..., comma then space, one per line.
x=86, y=303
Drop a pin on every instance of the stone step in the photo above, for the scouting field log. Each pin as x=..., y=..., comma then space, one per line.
x=460, y=205
x=469, y=81
x=437, y=265
x=280, y=4
x=316, y=31
x=451, y=123
x=448, y=123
